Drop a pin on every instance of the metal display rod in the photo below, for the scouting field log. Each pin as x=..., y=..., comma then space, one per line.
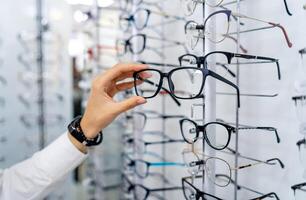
x=237, y=106
x=40, y=70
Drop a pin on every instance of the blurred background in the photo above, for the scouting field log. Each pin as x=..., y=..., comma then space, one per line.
x=192, y=139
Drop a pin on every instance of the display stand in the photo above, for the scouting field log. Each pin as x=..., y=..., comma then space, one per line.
x=40, y=71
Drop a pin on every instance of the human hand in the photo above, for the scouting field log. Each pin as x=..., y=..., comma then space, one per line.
x=101, y=108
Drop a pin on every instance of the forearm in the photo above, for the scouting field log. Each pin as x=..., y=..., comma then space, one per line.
x=33, y=178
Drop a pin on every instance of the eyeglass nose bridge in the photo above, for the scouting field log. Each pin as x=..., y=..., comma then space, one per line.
x=170, y=83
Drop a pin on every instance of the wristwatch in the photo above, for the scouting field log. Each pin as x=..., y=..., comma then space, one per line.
x=76, y=131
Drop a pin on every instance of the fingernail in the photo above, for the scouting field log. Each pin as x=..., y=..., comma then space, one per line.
x=141, y=101
x=146, y=75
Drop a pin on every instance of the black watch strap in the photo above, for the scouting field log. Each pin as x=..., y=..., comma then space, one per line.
x=76, y=131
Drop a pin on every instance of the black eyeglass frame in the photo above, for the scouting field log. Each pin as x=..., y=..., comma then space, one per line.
x=202, y=128
x=205, y=72
x=201, y=60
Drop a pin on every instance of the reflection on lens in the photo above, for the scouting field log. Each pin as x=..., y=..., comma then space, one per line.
x=217, y=166
x=192, y=34
x=217, y=27
x=189, y=158
x=220, y=62
x=148, y=87
x=217, y=135
x=188, y=129
x=189, y=191
x=189, y=61
x=140, y=192
x=141, y=168
x=191, y=78
x=141, y=18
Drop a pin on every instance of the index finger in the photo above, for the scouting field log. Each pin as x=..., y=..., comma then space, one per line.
x=122, y=68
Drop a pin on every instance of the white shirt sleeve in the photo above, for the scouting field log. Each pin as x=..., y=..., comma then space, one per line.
x=35, y=177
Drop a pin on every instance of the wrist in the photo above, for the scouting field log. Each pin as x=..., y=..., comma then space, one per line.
x=82, y=148
x=89, y=130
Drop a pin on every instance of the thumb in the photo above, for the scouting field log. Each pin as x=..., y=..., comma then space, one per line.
x=130, y=103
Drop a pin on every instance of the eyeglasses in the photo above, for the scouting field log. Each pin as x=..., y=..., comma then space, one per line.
x=239, y=187
x=195, y=165
x=193, y=35
x=178, y=79
x=299, y=191
x=141, y=192
x=142, y=167
x=222, y=58
x=195, y=31
x=216, y=134
x=136, y=44
x=141, y=17
x=191, y=192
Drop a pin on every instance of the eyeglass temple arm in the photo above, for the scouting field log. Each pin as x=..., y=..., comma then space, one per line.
x=167, y=141
x=217, y=76
x=271, y=23
x=261, y=58
x=278, y=161
x=158, y=64
x=166, y=189
x=262, y=128
x=289, y=43
x=246, y=127
x=297, y=186
x=270, y=195
x=287, y=8
x=165, y=89
x=256, y=160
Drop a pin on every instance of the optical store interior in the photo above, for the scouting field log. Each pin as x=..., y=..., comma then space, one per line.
x=225, y=117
